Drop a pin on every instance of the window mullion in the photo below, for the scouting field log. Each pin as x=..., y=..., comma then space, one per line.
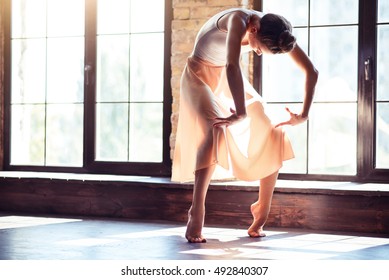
x=89, y=82
x=366, y=92
x=5, y=11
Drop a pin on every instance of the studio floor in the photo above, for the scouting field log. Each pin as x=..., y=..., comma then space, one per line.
x=63, y=238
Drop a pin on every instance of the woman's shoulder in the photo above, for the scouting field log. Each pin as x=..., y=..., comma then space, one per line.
x=223, y=17
x=243, y=11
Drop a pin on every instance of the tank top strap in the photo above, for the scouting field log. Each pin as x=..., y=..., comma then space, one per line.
x=222, y=14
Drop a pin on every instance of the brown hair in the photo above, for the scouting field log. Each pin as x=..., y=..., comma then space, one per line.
x=275, y=33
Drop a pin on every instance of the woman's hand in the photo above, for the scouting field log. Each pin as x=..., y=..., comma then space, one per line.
x=294, y=119
x=234, y=118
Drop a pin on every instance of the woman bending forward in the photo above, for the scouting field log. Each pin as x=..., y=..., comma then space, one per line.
x=223, y=131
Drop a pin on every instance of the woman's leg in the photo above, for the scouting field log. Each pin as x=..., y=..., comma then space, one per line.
x=196, y=212
x=261, y=208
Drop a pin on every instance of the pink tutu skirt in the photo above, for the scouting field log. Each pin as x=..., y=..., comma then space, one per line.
x=249, y=150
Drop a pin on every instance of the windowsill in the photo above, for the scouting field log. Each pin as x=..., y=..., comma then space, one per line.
x=283, y=186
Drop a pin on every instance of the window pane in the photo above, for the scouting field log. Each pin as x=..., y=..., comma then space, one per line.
x=64, y=135
x=65, y=18
x=65, y=70
x=114, y=16
x=334, y=12
x=296, y=11
x=382, y=145
x=112, y=132
x=112, y=68
x=147, y=67
x=333, y=48
x=28, y=18
x=338, y=73
x=298, y=137
x=130, y=68
x=27, y=134
x=146, y=132
x=382, y=114
x=280, y=67
x=153, y=21
x=383, y=63
x=332, y=139
x=28, y=71
x=383, y=11
x=301, y=34
x=296, y=134
x=47, y=70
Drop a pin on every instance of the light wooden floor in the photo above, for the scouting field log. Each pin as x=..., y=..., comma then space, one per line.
x=55, y=238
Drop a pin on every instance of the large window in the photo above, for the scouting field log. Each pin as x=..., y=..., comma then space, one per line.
x=88, y=88
x=46, y=97
x=351, y=106
x=129, y=87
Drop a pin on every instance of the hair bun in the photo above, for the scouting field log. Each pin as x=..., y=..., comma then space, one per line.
x=286, y=41
x=276, y=33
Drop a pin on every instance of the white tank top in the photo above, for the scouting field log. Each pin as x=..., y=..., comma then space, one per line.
x=210, y=43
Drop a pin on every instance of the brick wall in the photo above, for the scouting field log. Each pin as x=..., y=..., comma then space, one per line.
x=188, y=17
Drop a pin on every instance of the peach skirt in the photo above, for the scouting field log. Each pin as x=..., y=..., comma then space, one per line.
x=249, y=150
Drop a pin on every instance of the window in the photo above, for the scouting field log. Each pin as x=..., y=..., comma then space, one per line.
x=89, y=86
x=129, y=87
x=337, y=142
x=47, y=83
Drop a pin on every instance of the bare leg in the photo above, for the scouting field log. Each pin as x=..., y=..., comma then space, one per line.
x=196, y=212
x=261, y=208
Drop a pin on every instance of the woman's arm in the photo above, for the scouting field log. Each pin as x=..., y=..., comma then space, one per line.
x=237, y=28
x=311, y=76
